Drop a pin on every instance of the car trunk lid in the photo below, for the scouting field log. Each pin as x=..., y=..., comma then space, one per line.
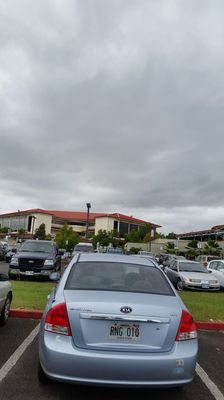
x=97, y=322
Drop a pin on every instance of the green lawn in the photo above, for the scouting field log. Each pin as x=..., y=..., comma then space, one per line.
x=30, y=294
x=203, y=305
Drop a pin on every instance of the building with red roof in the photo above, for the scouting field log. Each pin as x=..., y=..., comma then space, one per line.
x=30, y=220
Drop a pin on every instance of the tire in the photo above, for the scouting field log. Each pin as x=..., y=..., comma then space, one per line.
x=42, y=377
x=5, y=311
x=180, y=285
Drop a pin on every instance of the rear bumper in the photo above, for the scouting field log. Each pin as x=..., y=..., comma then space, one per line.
x=62, y=361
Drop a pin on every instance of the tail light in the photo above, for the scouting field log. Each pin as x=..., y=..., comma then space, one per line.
x=187, y=328
x=57, y=320
x=205, y=264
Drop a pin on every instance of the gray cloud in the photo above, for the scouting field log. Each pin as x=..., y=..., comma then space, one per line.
x=118, y=103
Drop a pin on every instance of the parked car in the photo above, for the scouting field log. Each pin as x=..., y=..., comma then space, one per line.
x=10, y=251
x=83, y=248
x=147, y=257
x=116, y=320
x=114, y=250
x=185, y=274
x=35, y=258
x=217, y=268
x=5, y=298
x=205, y=259
x=2, y=254
x=145, y=253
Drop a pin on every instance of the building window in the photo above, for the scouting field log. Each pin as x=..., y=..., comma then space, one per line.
x=115, y=225
x=123, y=228
x=133, y=227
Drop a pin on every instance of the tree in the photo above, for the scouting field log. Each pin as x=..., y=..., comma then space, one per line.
x=66, y=238
x=171, y=235
x=212, y=247
x=170, y=248
x=4, y=229
x=40, y=232
x=192, y=249
x=134, y=236
x=102, y=237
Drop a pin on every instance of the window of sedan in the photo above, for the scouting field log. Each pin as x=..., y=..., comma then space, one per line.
x=173, y=265
x=118, y=277
x=213, y=265
x=220, y=266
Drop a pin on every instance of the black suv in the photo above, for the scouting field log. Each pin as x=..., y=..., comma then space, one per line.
x=35, y=258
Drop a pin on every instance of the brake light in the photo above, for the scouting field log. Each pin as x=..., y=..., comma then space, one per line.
x=187, y=328
x=57, y=320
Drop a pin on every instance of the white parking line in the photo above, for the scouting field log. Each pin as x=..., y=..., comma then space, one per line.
x=18, y=353
x=209, y=383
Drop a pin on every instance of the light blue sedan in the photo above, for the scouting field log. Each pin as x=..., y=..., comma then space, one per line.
x=116, y=320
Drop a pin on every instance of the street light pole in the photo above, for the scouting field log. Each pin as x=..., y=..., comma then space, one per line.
x=88, y=205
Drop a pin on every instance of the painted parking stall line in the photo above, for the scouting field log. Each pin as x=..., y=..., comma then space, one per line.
x=10, y=363
x=214, y=390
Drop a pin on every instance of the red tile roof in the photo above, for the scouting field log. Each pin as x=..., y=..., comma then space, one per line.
x=128, y=218
x=78, y=215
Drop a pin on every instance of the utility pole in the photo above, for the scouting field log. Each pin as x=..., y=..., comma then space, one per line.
x=88, y=205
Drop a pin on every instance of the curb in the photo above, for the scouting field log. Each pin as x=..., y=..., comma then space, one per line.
x=37, y=314
x=34, y=314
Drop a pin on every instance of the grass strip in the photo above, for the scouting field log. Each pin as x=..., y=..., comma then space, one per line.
x=31, y=295
x=204, y=306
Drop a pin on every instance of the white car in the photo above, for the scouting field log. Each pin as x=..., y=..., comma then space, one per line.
x=5, y=298
x=83, y=247
x=217, y=268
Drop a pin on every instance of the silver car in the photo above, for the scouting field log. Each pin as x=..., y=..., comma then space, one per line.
x=116, y=320
x=5, y=298
x=185, y=274
x=217, y=268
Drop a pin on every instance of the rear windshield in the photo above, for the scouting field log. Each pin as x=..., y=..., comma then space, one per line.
x=118, y=277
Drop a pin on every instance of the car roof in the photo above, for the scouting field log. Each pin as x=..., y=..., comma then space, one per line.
x=117, y=258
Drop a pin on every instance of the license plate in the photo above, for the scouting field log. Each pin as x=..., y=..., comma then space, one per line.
x=124, y=331
x=28, y=272
x=205, y=285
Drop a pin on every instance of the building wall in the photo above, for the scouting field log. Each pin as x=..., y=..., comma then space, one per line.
x=42, y=219
x=16, y=222
x=159, y=245
x=104, y=223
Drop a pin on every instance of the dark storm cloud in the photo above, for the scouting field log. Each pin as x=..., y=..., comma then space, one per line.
x=118, y=103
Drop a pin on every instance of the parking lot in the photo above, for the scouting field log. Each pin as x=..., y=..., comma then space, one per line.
x=18, y=370
x=19, y=360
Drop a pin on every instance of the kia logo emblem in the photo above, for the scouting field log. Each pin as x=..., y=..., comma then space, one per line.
x=126, y=310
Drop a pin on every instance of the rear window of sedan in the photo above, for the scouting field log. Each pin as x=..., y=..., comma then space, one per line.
x=118, y=277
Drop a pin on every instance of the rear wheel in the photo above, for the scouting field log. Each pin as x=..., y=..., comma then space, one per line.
x=180, y=285
x=5, y=311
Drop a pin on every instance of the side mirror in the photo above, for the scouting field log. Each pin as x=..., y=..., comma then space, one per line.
x=55, y=276
x=4, y=277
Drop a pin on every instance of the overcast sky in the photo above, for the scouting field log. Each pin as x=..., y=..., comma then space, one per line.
x=115, y=102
